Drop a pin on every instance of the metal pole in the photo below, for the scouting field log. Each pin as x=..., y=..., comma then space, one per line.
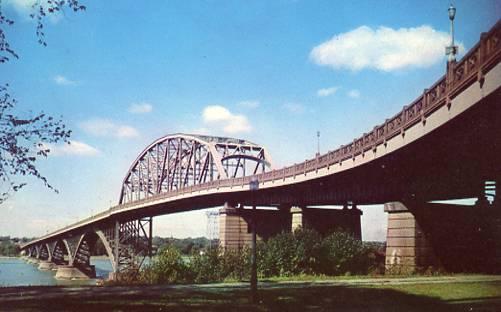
x=253, y=280
x=318, y=143
x=150, y=239
x=253, y=186
x=117, y=246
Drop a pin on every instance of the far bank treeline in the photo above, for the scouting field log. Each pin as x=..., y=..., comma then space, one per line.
x=186, y=246
x=11, y=246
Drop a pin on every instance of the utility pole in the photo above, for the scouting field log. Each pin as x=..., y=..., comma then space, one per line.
x=253, y=186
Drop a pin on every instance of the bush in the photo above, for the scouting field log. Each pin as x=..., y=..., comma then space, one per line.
x=235, y=264
x=167, y=268
x=343, y=254
x=289, y=254
x=286, y=254
x=206, y=266
x=214, y=265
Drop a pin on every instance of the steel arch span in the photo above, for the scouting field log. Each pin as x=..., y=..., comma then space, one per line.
x=181, y=160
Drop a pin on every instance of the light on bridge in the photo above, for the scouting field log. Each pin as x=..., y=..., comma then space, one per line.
x=452, y=49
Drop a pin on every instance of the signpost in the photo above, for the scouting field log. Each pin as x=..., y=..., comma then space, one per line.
x=253, y=186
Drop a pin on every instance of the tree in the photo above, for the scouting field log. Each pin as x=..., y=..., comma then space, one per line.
x=40, y=9
x=23, y=140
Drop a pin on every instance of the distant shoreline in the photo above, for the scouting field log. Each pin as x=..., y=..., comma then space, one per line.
x=9, y=257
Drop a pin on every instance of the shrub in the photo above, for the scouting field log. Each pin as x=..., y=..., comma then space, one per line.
x=167, y=268
x=235, y=264
x=288, y=254
x=343, y=254
x=206, y=266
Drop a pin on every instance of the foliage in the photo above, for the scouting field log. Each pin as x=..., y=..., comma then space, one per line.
x=167, y=268
x=235, y=264
x=186, y=246
x=289, y=254
x=302, y=253
x=206, y=267
x=39, y=11
x=23, y=141
x=9, y=248
x=343, y=254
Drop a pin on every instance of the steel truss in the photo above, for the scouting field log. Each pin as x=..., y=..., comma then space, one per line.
x=177, y=161
x=129, y=243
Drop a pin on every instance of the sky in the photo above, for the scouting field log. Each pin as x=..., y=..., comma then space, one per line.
x=124, y=73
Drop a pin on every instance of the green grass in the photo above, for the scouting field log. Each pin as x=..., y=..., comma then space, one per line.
x=445, y=296
x=451, y=291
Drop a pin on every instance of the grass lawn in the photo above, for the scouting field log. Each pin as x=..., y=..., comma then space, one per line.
x=444, y=296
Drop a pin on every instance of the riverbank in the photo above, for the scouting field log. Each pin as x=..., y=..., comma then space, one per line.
x=451, y=293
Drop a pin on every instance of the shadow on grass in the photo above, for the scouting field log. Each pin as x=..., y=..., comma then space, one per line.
x=165, y=298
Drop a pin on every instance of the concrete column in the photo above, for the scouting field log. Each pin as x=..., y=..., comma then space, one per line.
x=297, y=218
x=407, y=247
x=234, y=225
x=233, y=229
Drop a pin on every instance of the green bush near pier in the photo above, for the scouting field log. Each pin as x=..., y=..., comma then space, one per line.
x=303, y=252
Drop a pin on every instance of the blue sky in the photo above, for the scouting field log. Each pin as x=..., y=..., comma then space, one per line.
x=123, y=74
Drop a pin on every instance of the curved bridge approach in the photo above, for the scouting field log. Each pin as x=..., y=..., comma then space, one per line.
x=444, y=145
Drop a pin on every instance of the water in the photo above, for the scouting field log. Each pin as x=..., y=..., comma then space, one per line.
x=16, y=272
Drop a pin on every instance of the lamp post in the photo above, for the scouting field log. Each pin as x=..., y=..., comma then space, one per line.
x=253, y=186
x=318, y=143
x=452, y=49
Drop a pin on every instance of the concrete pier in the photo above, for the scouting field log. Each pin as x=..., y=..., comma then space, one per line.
x=407, y=247
x=46, y=265
x=234, y=223
x=67, y=272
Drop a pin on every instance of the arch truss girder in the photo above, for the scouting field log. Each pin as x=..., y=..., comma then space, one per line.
x=179, y=161
x=130, y=243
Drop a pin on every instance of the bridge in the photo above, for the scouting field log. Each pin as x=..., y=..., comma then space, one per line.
x=444, y=145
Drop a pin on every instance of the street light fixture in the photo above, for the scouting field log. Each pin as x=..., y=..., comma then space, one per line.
x=452, y=49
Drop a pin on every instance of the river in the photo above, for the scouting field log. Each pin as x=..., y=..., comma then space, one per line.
x=17, y=272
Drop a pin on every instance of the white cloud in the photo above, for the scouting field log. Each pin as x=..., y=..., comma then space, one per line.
x=74, y=148
x=354, y=94
x=140, y=108
x=63, y=81
x=220, y=117
x=383, y=48
x=249, y=104
x=126, y=132
x=108, y=128
x=327, y=91
x=295, y=108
